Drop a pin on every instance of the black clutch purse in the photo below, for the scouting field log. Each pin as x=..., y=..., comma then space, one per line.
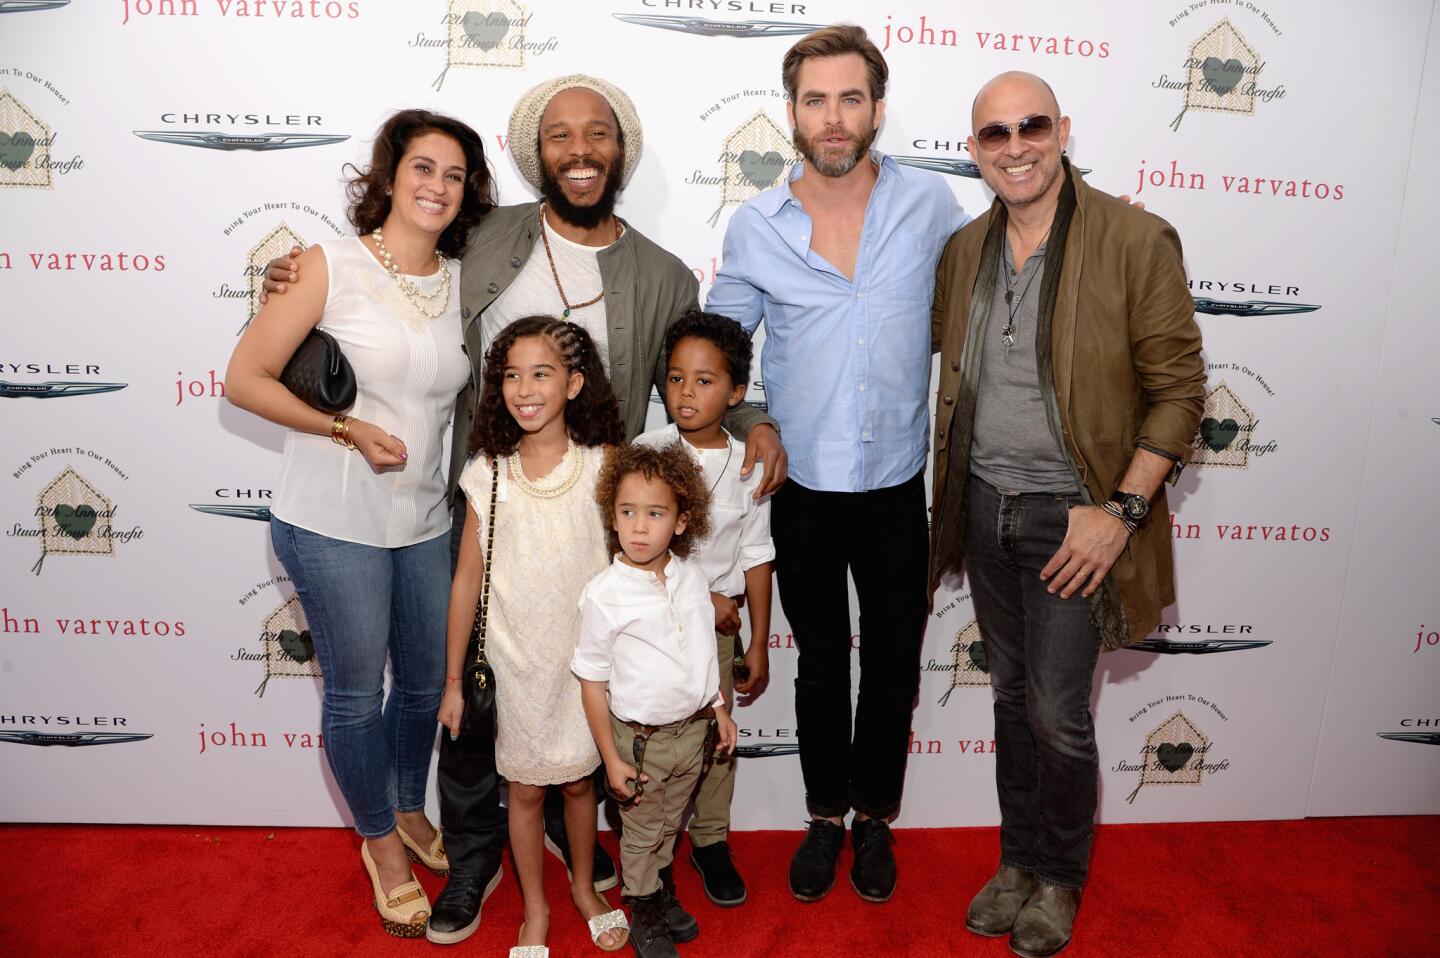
x=477, y=720
x=320, y=375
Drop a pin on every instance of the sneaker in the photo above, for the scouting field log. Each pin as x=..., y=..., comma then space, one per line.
x=723, y=884
x=812, y=870
x=559, y=846
x=873, y=872
x=455, y=915
x=683, y=926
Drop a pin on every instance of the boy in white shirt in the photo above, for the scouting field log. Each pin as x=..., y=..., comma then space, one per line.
x=646, y=625
x=707, y=368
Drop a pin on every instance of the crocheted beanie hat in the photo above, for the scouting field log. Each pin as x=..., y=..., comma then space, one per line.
x=525, y=123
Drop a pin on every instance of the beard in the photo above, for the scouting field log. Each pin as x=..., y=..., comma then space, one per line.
x=583, y=217
x=832, y=162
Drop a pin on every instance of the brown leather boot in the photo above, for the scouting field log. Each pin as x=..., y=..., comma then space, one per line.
x=1043, y=926
x=992, y=911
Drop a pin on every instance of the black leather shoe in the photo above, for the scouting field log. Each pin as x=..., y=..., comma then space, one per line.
x=723, y=884
x=649, y=935
x=683, y=926
x=812, y=870
x=455, y=914
x=559, y=845
x=873, y=872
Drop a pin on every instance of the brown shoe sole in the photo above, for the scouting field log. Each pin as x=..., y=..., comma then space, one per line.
x=401, y=929
x=808, y=898
x=871, y=898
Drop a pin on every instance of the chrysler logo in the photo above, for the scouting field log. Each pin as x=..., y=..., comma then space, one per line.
x=957, y=166
x=54, y=390
x=258, y=142
x=702, y=27
x=71, y=739
x=1170, y=647
x=1249, y=307
x=258, y=513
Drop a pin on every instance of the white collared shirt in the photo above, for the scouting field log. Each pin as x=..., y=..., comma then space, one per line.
x=739, y=537
x=654, y=644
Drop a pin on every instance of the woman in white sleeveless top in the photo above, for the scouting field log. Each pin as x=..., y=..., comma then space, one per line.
x=360, y=520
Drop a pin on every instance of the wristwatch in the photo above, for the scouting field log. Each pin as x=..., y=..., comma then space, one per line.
x=1135, y=507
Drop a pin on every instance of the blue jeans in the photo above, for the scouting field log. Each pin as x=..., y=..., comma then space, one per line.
x=362, y=604
x=1041, y=652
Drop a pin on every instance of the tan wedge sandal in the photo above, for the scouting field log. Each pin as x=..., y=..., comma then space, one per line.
x=405, y=911
x=433, y=858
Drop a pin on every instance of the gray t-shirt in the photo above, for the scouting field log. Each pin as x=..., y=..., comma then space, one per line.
x=1013, y=448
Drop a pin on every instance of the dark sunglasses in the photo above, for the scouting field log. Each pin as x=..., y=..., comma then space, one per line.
x=1032, y=129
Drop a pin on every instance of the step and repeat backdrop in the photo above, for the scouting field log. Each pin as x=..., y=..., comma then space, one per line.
x=155, y=665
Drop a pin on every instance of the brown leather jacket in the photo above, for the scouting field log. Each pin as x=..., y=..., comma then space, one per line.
x=1124, y=355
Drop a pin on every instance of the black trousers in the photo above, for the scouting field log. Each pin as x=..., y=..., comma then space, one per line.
x=881, y=538
x=472, y=820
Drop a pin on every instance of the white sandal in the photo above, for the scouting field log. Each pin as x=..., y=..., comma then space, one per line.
x=610, y=921
x=529, y=951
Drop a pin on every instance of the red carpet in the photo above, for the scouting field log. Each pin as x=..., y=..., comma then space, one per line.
x=1346, y=887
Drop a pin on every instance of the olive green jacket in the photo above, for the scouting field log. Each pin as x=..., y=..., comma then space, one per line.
x=646, y=289
x=1121, y=369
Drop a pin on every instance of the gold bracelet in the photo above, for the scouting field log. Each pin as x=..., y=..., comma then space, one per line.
x=340, y=432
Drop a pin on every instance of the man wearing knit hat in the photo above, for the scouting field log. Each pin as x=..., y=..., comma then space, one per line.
x=576, y=139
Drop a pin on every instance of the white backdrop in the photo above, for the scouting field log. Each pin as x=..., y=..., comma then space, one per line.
x=1307, y=624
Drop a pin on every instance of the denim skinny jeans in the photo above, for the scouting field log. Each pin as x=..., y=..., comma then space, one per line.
x=364, y=604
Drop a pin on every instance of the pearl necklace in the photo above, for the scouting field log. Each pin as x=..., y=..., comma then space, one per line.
x=517, y=473
x=412, y=292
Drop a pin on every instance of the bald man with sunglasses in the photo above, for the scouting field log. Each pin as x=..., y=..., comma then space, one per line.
x=1071, y=385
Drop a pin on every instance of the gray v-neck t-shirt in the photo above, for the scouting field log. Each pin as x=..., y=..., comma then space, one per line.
x=1013, y=448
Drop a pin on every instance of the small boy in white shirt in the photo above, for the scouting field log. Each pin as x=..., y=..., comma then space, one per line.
x=707, y=368
x=646, y=630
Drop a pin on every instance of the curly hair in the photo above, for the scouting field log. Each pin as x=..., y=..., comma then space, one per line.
x=721, y=332
x=592, y=418
x=673, y=466
x=369, y=203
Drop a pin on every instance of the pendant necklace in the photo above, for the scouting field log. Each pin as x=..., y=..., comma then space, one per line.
x=1012, y=302
x=729, y=450
x=555, y=274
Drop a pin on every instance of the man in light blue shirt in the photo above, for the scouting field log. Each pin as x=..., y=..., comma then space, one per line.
x=839, y=263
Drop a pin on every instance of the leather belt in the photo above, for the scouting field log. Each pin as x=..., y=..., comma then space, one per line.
x=703, y=715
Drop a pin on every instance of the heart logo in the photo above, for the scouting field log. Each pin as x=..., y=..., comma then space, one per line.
x=1173, y=758
x=761, y=171
x=1218, y=435
x=299, y=646
x=15, y=149
x=1222, y=77
x=75, y=521
x=485, y=32
x=976, y=652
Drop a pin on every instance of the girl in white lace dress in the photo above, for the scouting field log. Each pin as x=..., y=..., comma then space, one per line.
x=545, y=414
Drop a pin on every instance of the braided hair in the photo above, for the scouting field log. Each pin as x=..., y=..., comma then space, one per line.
x=592, y=418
